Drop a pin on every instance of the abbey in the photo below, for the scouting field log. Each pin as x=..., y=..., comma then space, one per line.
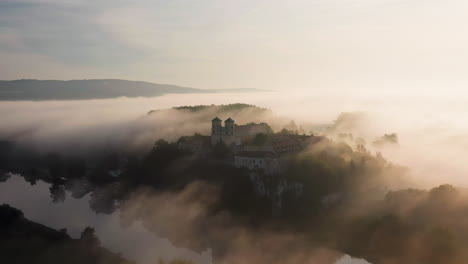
x=254, y=146
x=226, y=134
x=233, y=134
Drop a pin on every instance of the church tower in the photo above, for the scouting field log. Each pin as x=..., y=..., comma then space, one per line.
x=229, y=124
x=225, y=134
x=216, y=128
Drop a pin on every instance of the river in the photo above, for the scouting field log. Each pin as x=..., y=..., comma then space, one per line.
x=133, y=242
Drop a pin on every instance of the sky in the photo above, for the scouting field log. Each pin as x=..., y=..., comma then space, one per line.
x=374, y=45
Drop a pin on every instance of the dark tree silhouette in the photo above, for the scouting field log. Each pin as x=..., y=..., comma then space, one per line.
x=89, y=237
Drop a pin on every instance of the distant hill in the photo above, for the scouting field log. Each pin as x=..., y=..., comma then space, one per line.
x=92, y=89
x=232, y=110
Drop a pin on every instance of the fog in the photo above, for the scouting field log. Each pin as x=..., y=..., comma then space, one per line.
x=431, y=131
x=432, y=128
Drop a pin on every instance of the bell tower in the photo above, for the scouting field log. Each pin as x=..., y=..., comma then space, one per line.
x=216, y=126
x=229, y=125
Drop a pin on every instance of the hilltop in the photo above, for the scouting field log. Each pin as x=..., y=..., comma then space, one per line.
x=223, y=109
x=199, y=114
x=29, y=89
x=185, y=120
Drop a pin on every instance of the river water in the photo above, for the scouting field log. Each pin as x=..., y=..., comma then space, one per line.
x=134, y=241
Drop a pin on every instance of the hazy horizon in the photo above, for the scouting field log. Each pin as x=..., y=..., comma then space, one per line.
x=299, y=45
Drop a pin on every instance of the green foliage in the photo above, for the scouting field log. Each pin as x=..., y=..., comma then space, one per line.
x=194, y=108
x=220, y=151
x=222, y=108
x=285, y=131
x=155, y=166
x=260, y=139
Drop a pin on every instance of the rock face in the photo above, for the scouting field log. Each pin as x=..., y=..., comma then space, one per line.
x=23, y=241
x=275, y=188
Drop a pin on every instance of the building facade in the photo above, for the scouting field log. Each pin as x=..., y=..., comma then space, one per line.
x=226, y=134
x=231, y=133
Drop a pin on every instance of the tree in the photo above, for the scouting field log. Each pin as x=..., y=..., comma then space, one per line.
x=260, y=139
x=154, y=168
x=89, y=238
x=55, y=166
x=4, y=177
x=220, y=150
x=57, y=193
